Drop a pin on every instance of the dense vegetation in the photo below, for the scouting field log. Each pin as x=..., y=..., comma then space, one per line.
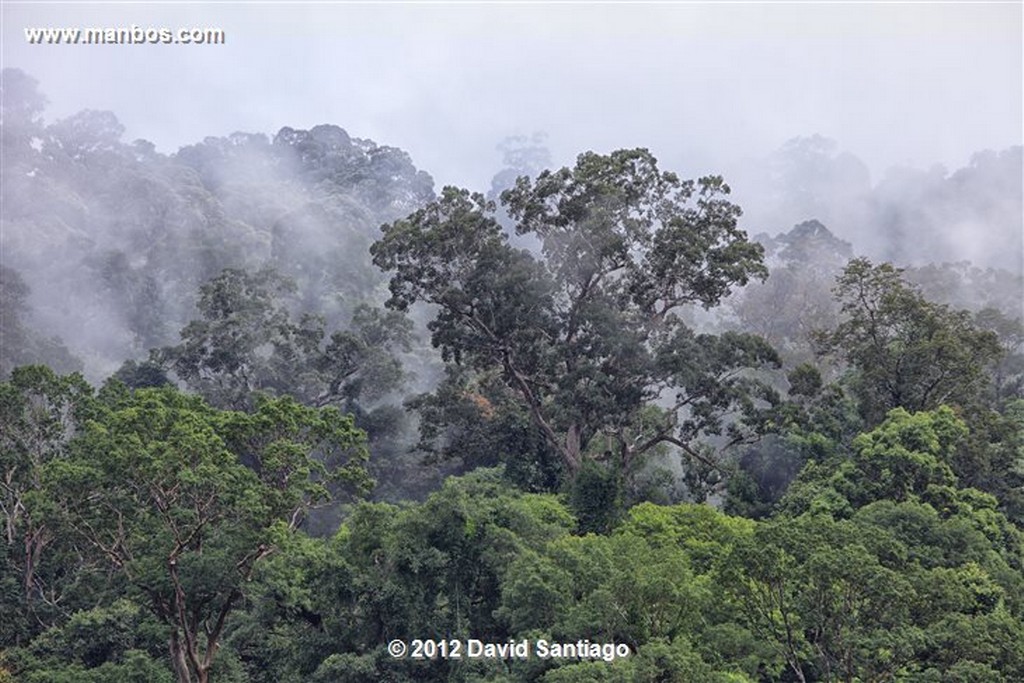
x=745, y=460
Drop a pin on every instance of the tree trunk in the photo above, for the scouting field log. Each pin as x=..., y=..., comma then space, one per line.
x=178, y=661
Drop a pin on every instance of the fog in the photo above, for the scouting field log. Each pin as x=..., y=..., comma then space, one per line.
x=885, y=122
x=707, y=87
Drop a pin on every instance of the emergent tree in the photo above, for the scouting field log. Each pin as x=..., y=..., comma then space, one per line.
x=586, y=332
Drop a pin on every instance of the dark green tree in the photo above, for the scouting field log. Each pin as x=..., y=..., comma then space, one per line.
x=116, y=643
x=477, y=420
x=429, y=570
x=907, y=352
x=586, y=335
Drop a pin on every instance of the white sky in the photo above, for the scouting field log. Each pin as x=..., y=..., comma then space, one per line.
x=705, y=86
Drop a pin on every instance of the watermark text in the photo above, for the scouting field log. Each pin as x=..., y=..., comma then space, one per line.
x=125, y=35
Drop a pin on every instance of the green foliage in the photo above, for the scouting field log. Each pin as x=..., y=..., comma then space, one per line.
x=183, y=500
x=606, y=588
x=141, y=375
x=812, y=588
x=907, y=351
x=152, y=535
x=704, y=533
x=873, y=593
x=479, y=421
x=100, y=645
x=40, y=416
x=585, y=335
x=906, y=458
x=852, y=600
x=904, y=587
x=764, y=474
x=246, y=342
x=595, y=498
x=650, y=584
x=907, y=454
x=804, y=380
x=432, y=570
x=659, y=660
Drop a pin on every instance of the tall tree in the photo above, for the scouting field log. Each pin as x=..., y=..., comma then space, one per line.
x=40, y=414
x=907, y=351
x=184, y=501
x=587, y=333
x=795, y=299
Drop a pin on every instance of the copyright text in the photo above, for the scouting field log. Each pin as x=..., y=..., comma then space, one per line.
x=472, y=648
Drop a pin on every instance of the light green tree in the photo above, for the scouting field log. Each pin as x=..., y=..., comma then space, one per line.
x=184, y=501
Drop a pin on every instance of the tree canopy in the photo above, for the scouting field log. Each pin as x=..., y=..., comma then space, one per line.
x=907, y=352
x=586, y=332
x=648, y=448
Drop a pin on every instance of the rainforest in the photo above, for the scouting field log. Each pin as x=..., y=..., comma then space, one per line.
x=279, y=407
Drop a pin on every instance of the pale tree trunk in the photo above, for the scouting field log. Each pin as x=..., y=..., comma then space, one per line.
x=36, y=539
x=186, y=642
x=178, y=661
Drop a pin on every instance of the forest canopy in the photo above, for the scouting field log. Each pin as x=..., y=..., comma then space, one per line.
x=271, y=404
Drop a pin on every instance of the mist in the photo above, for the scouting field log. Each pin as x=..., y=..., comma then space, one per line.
x=329, y=327
x=897, y=127
x=704, y=86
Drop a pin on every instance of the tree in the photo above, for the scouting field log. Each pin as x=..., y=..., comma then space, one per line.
x=84, y=134
x=907, y=352
x=794, y=301
x=427, y=570
x=40, y=415
x=521, y=156
x=20, y=345
x=138, y=298
x=246, y=341
x=227, y=354
x=817, y=591
x=184, y=501
x=811, y=178
x=383, y=178
x=115, y=643
x=21, y=108
x=586, y=335
x=476, y=420
x=904, y=458
x=1008, y=375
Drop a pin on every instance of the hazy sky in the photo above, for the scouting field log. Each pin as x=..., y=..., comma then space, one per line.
x=705, y=86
